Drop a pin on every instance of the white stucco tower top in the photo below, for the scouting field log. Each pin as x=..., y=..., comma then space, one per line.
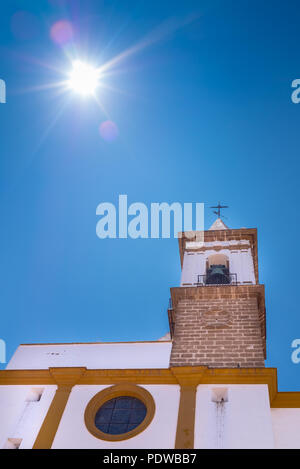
x=225, y=256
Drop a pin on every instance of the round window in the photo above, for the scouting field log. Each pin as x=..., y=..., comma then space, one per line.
x=119, y=412
x=120, y=415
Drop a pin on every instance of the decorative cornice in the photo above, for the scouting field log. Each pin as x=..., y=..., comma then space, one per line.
x=286, y=400
x=141, y=376
x=189, y=375
x=229, y=247
x=67, y=376
x=218, y=291
x=16, y=377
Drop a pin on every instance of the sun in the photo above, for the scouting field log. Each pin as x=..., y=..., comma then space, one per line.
x=83, y=78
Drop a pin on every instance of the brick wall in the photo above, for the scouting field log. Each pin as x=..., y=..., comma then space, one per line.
x=218, y=327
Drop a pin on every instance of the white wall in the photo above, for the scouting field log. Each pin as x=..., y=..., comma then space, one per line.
x=244, y=421
x=21, y=418
x=286, y=427
x=72, y=432
x=93, y=356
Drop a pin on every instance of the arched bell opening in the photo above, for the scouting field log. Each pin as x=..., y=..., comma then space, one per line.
x=217, y=270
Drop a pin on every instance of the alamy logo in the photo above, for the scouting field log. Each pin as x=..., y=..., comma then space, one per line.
x=2, y=92
x=296, y=353
x=2, y=351
x=155, y=222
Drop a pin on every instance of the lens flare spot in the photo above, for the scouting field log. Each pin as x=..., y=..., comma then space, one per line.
x=62, y=32
x=108, y=131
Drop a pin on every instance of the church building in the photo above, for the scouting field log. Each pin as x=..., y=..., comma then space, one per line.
x=204, y=385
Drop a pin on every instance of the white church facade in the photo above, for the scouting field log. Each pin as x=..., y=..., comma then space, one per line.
x=204, y=386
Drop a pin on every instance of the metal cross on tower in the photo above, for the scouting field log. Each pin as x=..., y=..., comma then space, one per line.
x=218, y=207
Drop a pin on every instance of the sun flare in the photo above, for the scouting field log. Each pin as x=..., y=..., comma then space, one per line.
x=83, y=78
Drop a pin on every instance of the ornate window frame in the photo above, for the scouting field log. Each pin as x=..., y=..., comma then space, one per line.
x=111, y=392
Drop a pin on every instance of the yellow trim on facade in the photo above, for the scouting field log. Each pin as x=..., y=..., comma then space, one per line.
x=286, y=400
x=188, y=378
x=52, y=420
x=175, y=375
x=65, y=380
x=186, y=417
x=110, y=393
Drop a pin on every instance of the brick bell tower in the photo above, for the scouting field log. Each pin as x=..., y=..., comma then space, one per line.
x=217, y=315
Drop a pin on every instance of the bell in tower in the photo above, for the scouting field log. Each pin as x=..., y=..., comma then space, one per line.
x=217, y=270
x=217, y=275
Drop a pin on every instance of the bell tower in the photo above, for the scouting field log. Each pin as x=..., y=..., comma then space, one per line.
x=217, y=315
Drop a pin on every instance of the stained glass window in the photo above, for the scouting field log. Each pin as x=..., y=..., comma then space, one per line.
x=120, y=415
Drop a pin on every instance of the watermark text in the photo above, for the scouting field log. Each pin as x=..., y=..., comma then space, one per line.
x=2, y=91
x=2, y=351
x=160, y=220
x=296, y=353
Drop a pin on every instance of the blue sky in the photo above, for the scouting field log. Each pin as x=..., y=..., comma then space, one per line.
x=204, y=113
